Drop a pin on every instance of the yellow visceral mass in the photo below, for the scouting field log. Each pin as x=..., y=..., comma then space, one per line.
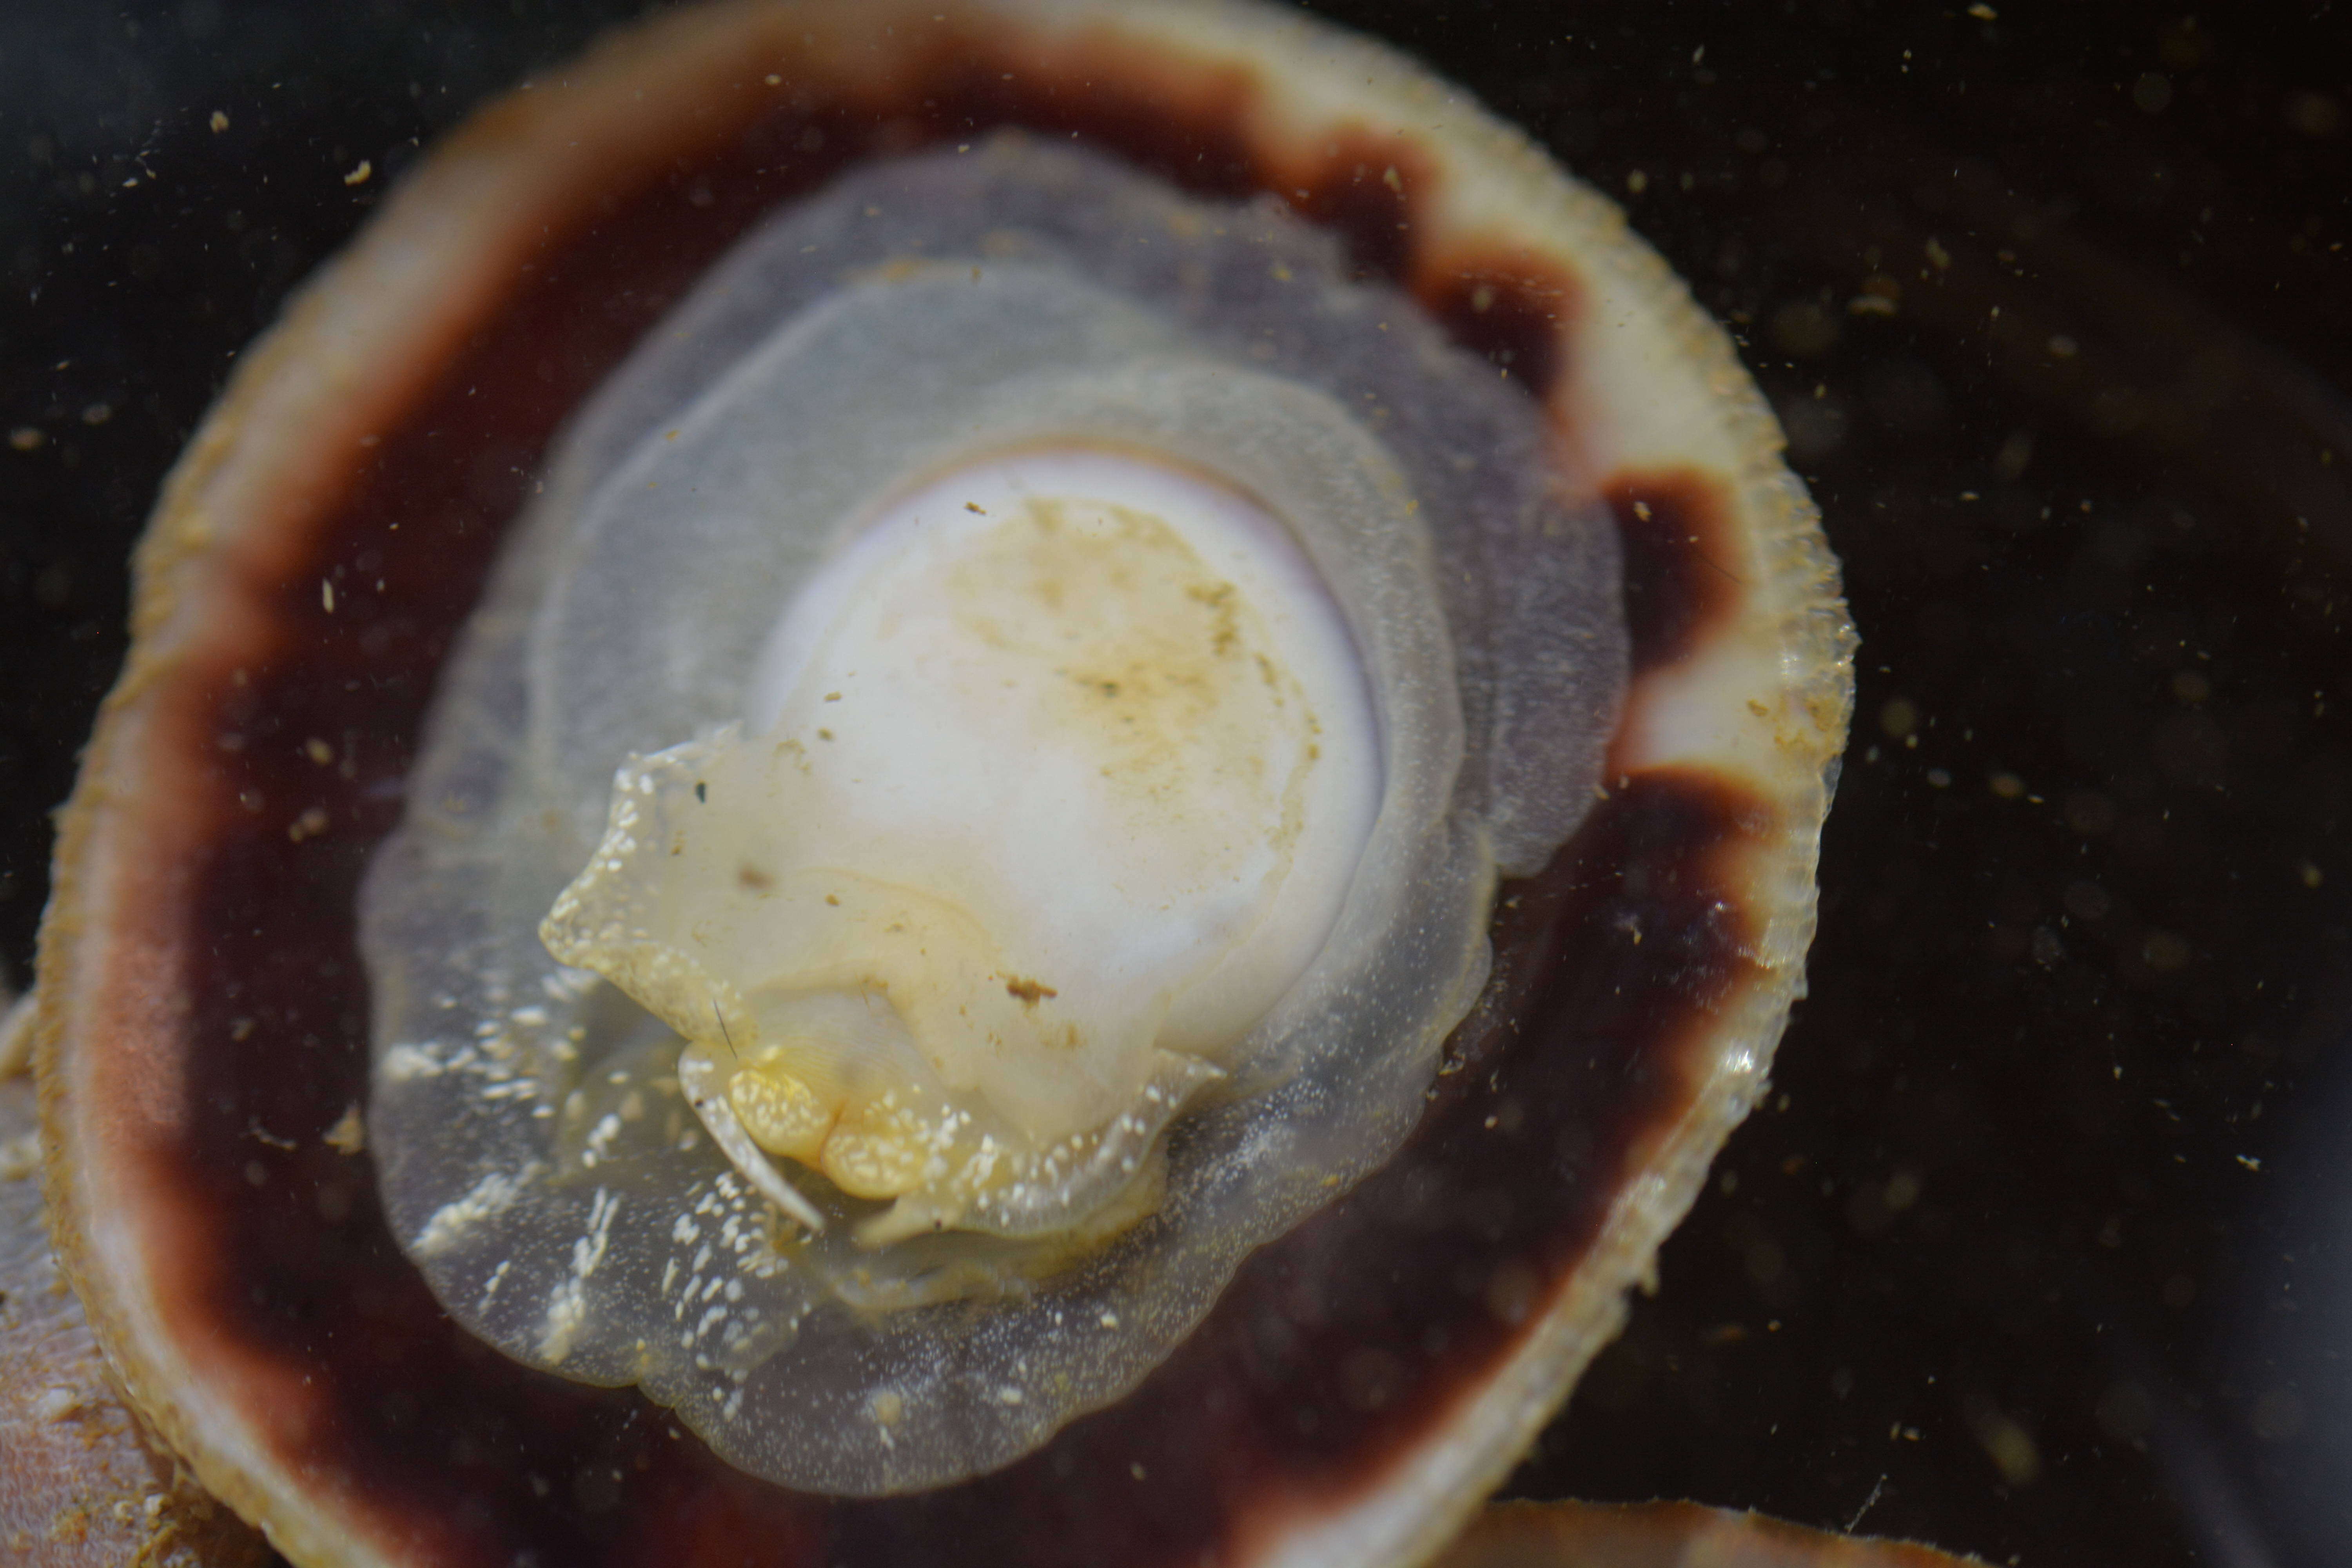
x=1036, y=816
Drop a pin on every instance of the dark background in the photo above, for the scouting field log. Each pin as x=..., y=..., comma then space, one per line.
x=2039, y=1250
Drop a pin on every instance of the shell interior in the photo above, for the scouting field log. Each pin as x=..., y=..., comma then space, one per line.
x=1364, y=1376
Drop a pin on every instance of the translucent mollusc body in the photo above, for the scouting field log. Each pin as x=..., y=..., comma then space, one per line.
x=540, y=1160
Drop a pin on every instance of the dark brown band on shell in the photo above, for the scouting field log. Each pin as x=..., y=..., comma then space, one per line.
x=288, y=729
x=1676, y=585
